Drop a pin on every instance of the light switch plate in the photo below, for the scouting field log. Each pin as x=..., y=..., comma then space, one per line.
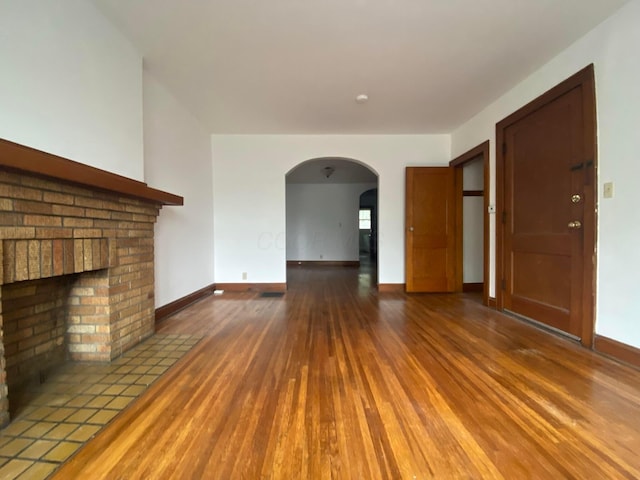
x=607, y=191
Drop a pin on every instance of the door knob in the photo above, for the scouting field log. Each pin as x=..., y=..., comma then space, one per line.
x=411, y=229
x=576, y=224
x=576, y=198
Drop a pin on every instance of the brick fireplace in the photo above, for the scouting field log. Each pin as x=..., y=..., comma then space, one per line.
x=77, y=264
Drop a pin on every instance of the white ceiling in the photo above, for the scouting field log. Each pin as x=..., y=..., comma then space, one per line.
x=295, y=66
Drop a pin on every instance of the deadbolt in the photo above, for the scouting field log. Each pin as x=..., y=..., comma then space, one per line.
x=576, y=198
x=576, y=224
x=411, y=229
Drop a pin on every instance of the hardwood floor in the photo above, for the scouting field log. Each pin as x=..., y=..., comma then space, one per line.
x=337, y=381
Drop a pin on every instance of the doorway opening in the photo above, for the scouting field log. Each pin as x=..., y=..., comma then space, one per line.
x=472, y=222
x=368, y=234
x=332, y=215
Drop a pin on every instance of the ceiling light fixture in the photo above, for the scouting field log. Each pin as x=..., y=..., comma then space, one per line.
x=362, y=98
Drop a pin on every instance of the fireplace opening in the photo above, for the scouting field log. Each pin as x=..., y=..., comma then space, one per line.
x=41, y=325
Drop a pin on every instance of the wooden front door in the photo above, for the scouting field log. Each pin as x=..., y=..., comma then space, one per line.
x=430, y=264
x=547, y=210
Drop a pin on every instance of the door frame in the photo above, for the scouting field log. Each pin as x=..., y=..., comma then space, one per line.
x=584, y=79
x=479, y=151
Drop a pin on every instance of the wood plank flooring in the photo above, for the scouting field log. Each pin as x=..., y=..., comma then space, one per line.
x=337, y=381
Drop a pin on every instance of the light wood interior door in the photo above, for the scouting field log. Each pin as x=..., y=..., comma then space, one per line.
x=430, y=248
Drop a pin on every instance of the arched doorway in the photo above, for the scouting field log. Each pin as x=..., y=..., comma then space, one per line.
x=323, y=200
x=368, y=226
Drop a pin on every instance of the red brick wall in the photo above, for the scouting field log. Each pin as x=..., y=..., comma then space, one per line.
x=49, y=228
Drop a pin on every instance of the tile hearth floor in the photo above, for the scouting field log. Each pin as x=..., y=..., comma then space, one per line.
x=76, y=401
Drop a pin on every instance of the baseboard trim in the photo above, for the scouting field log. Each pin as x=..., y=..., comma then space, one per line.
x=252, y=287
x=619, y=351
x=391, y=287
x=323, y=263
x=473, y=287
x=492, y=302
x=177, y=305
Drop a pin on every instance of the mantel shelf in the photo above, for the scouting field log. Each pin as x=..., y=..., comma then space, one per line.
x=14, y=156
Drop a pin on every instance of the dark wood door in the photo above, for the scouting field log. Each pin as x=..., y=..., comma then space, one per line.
x=544, y=178
x=430, y=229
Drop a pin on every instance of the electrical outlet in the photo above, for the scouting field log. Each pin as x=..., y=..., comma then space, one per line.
x=244, y=275
x=607, y=191
x=321, y=256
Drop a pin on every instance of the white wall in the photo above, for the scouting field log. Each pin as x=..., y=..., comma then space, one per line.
x=473, y=224
x=178, y=159
x=613, y=49
x=472, y=240
x=70, y=84
x=249, y=195
x=322, y=221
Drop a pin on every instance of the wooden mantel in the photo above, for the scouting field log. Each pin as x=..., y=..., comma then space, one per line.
x=14, y=156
